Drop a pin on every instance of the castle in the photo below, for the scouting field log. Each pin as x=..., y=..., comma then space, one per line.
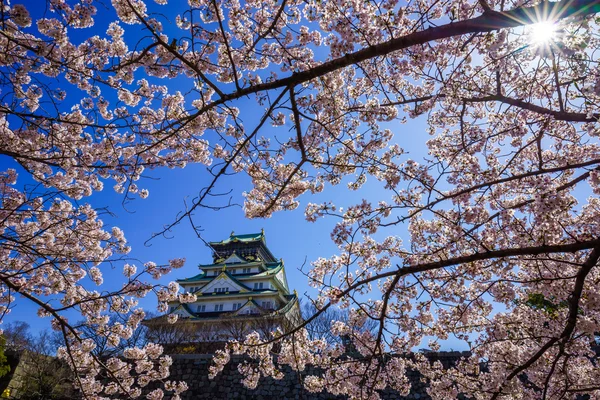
x=244, y=289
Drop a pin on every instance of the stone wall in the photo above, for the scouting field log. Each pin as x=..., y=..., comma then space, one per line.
x=193, y=369
x=37, y=376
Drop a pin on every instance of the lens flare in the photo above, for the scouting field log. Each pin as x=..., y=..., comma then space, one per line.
x=543, y=32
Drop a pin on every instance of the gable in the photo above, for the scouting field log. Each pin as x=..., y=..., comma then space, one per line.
x=181, y=311
x=234, y=259
x=281, y=278
x=249, y=308
x=192, y=288
x=223, y=281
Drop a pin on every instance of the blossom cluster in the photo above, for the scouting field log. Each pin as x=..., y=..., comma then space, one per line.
x=480, y=224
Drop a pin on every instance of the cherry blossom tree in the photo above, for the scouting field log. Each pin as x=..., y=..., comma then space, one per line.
x=320, y=327
x=491, y=238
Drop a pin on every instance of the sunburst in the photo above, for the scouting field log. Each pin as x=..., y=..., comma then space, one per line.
x=543, y=32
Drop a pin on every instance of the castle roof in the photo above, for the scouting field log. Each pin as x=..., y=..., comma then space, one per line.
x=271, y=269
x=247, y=247
x=245, y=238
x=292, y=300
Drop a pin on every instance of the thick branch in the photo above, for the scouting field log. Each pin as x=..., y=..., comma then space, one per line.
x=558, y=115
x=479, y=256
x=574, y=298
x=489, y=21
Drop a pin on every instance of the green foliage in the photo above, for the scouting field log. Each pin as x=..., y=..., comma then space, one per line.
x=4, y=366
x=539, y=302
x=44, y=377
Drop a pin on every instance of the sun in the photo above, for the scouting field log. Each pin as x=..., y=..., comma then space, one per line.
x=543, y=32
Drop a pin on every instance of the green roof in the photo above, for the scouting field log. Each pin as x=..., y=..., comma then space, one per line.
x=248, y=237
x=220, y=265
x=269, y=265
x=293, y=299
x=272, y=268
x=198, y=277
x=282, y=310
x=232, y=294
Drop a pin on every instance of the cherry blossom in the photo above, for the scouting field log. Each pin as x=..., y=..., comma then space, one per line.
x=487, y=232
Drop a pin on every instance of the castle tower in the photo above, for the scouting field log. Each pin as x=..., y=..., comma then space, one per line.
x=244, y=289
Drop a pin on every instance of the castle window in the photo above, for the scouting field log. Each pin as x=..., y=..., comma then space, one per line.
x=266, y=304
x=258, y=285
x=218, y=307
x=202, y=308
x=247, y=270
x=221, y=290
x=237, y=306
